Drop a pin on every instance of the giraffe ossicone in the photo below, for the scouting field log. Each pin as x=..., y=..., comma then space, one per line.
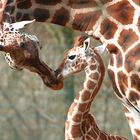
x=100, y=49
x=80, y=123
x=21, y=24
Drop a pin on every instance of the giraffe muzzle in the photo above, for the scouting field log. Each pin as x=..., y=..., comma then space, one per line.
x=58, y=74
x=56, y=84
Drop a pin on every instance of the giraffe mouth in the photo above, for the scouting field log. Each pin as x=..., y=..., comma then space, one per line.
x=56, y=84
x=59, y=75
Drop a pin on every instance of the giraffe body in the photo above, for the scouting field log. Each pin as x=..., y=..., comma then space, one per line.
x=116, y=23
x=80, y=124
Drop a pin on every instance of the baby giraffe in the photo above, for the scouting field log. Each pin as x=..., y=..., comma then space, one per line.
x=80, y=123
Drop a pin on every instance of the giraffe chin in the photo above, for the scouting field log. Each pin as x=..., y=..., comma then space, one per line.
x=59, y=86
x=55, y=84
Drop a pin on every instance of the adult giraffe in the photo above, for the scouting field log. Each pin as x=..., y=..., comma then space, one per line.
x=80, y=123
x=116, y=23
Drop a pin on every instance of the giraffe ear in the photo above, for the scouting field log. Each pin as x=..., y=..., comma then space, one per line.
x=86, y=44
x=20, y=25
x=100, y=49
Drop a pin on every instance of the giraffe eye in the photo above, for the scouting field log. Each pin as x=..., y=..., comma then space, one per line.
x=72, y=57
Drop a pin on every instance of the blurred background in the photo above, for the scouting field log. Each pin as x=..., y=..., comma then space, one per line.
x=31, y=111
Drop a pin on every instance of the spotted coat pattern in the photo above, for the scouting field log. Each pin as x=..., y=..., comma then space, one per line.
x=116, y=23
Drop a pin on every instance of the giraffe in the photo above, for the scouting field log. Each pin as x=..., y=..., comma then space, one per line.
x=22, y=51
x=115, y=23
x=80, y=123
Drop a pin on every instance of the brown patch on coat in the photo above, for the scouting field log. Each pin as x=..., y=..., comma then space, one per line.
x=90, y=84
x=24, y=4
x=127, y=38
x=122, y=81
x=10, y=9
x=75, y=131
x=18, y=16
x=112, y=48
x=61, y=17
x=93, y=67
x=108, y=29
x=133, y=97
x=132, y=57
x=48, y=2
x=111, y=60
x=103, y=136
x=119, y=59
x=26, y=17
x=139, y=23
x=137, y=131
x=41, y=14
x=77, y=117
x=82, y=3
x=135, y=82
x=85, y=21
x=85, y=96
x=94, y=76
x=82, y=107
x=122, y=11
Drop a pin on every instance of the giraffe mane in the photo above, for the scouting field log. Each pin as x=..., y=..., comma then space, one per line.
x=80, y=39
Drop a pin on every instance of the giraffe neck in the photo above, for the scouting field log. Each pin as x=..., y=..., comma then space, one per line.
x=80, y=107
x=2, y=7
x=105, y=20
x=77, y=15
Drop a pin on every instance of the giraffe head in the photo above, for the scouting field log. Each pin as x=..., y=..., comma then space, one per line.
x=22, y=51
x=17, y=46
x=77, y=58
